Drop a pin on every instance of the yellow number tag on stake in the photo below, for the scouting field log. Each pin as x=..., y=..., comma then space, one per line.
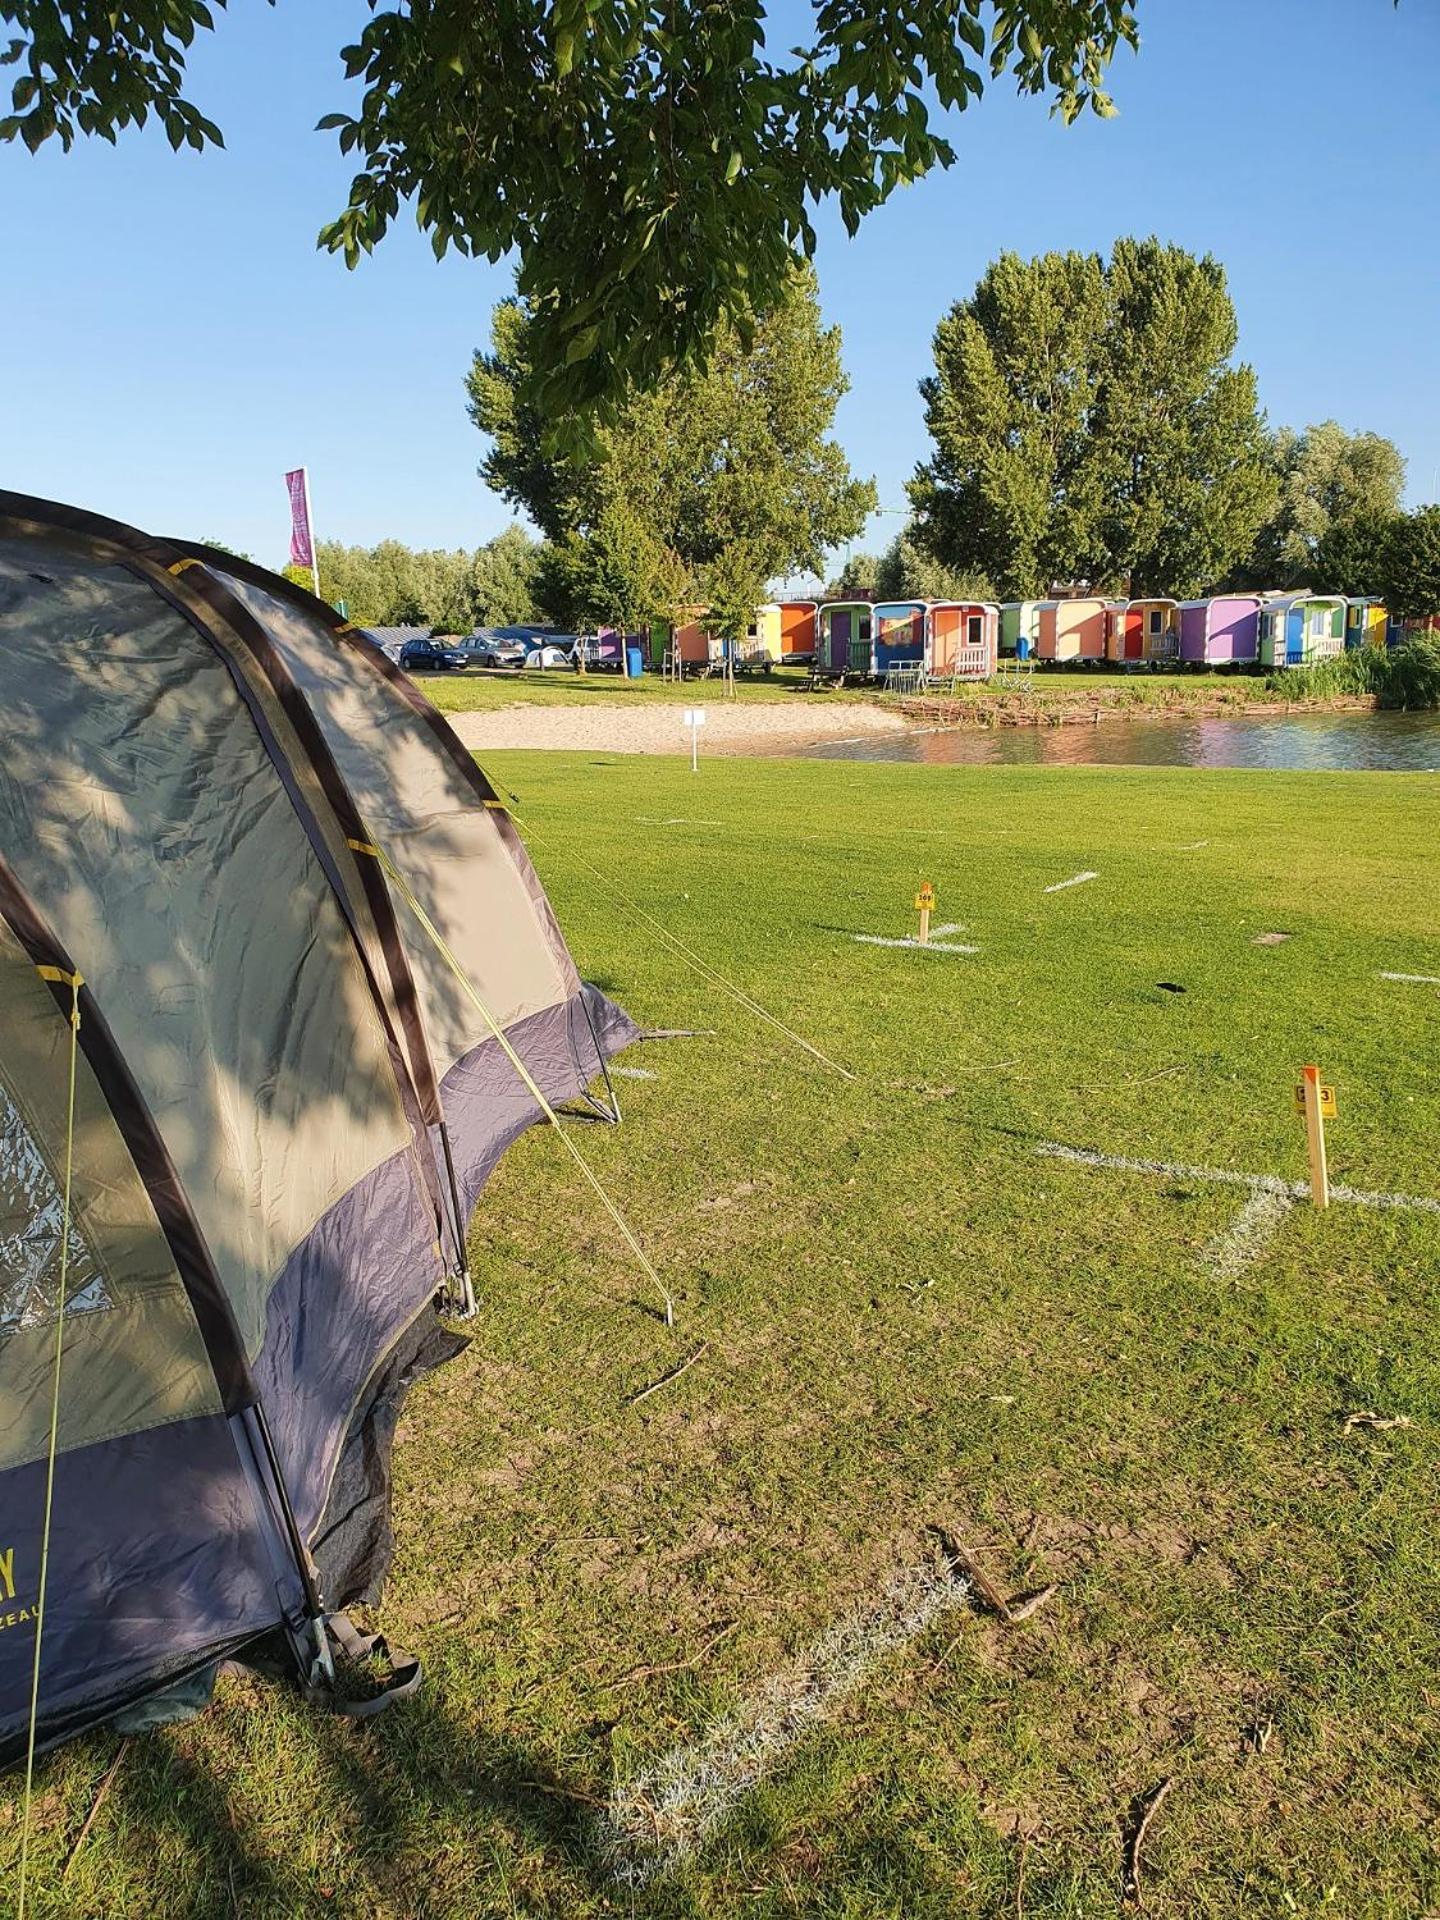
x=1327, y=1101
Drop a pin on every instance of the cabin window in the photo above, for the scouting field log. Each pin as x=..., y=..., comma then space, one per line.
x=1317, y=623
x=974, y=630
x=1156, y=617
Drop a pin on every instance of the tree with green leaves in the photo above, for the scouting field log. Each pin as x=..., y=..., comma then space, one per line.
x=653, y=166
x=1327, y=479
x=392, y=585
x=908, y=571
x=1352, y=556
x=1089, y=425
x=505, y=578
x=717, y=480
x=857, y=579
x=1410, y=580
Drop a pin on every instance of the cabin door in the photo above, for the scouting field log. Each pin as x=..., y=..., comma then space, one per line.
x=1134, y=636
x=839, y=656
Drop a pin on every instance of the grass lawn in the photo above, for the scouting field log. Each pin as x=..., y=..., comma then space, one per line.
x=913, y=1321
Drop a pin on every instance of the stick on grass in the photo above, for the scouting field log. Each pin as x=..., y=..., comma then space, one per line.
x=1148, y=1809
x=666, y=1378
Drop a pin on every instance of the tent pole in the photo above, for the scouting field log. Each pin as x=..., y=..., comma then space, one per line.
x=313, y=1605
x=467, y=1291
x=613, y=1116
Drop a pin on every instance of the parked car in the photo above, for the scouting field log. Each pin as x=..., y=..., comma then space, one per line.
x=496, y=653
x=551, y=655
x=434, y=656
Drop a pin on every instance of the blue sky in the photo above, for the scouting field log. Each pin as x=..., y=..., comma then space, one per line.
x=172, y=341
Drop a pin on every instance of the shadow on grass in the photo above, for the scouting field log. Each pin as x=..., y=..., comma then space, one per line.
x=409, y=1814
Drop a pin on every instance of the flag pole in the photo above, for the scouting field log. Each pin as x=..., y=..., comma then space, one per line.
x=314, y=543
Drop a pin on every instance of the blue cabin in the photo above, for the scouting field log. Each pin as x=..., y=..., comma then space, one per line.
x=898, y=635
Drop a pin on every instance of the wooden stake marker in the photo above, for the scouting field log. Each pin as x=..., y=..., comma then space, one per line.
x=1317, y=1102
x=925, y=906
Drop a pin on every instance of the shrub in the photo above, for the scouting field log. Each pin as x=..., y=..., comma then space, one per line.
x=1407, y=678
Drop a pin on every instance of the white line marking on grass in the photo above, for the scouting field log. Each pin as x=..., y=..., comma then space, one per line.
x=1252, y=1230
x=1415, y=979
x=645, y=820
x=1076, y=880
x=1192, y=846
x=635, y=1073
x=1225, y=1176
x=930, y=946
x=657, y=1821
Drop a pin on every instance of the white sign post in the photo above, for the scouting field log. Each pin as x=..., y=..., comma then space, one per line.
x=694, y=720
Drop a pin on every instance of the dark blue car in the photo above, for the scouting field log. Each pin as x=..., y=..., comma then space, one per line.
x=433, y=656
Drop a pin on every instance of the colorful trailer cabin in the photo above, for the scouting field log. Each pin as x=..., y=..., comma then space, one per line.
x=897, y=630
x=1072, y=629
x=1224, y=628
x=685, y=640
x=797, y=632
x=962, y=639
x=783, y=631
x=1301, y=628
x=842, y=630
x=1144, y=631
x=1019, y=629
x=1367, y=624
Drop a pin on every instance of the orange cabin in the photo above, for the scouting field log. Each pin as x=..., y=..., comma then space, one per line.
x=963, y=638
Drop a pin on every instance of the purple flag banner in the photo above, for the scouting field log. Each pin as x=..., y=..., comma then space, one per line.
x=302, y=539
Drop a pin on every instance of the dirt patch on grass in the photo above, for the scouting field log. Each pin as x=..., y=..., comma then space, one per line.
x=741, y=727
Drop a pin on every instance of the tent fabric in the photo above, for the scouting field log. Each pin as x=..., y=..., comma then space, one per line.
x=276, y=1074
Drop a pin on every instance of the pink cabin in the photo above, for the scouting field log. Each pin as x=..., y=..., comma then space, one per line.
x=1072, y=629
x=1224, y=628
x=961, y=639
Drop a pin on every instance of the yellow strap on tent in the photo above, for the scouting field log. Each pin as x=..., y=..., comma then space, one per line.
x=74, y=983
x=180, y=566
x=392, y=872
x=693, y=959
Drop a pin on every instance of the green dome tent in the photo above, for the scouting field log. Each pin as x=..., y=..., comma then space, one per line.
x=220, y=809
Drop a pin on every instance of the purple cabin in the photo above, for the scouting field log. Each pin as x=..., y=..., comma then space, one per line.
x=1224, y=628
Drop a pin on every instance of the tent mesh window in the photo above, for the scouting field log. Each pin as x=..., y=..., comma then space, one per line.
x=31, y=1219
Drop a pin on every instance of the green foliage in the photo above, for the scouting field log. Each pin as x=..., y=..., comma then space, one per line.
x=1351, y=556
x=505, y=580
x=654, y=167
x=392, y=585
x=1410, y=580
x=1088, y=425
x=858, y=579
x=1327, y=480
x=697, y=492
x=908, y=571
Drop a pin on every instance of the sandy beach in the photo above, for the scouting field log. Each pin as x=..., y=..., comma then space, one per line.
x=739, y=727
